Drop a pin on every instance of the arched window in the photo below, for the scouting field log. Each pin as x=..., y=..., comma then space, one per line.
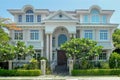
x=62, y=38
x=29, y=11
x=95, y=16
x=29, y=16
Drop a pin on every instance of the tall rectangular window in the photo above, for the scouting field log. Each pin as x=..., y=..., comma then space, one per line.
x=29, y=18
x=19, y=18
x=95, y=19
x=37, y=54
x=34, y=34
x=88, y=34
x=103, y=55
x=18, y=35
x=38, y=18
x=103, y=34
x=104, y=19
x=85, y=19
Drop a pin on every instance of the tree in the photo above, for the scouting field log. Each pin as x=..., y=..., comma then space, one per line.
x=116, y=40
x=23, y=51
x=7, y=52
x=3, y=35
x=6, y=23
x=4, y=38
x=81, y=48
x=114, y=61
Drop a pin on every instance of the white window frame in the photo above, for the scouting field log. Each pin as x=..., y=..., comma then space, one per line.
x=38, y=18
x=104, y=17
x=19, y=18
x=18, y=33
x=34, y=33
x=84, y=18
x=103, y=55
x=103, y=37
x=88, y=33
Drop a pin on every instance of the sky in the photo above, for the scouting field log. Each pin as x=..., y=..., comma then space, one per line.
x=61, y=4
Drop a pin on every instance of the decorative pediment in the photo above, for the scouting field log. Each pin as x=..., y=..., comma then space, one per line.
x=60, y=15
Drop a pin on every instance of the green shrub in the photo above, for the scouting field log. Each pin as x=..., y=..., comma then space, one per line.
x=84, y=64
x=97, y=72
x=104, y=65
x=114, y=61
x=76, y=66
x=20, y=72
x=32, y=65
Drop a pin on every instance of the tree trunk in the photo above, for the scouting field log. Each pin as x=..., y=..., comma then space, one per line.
x=74, y=58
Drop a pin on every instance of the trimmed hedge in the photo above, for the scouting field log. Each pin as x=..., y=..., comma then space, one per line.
x=4, y=72
x=96, y=72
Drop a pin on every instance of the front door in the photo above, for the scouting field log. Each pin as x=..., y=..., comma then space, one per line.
x=61, y=57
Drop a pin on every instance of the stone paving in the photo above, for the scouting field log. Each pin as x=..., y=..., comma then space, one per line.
x=58, y=77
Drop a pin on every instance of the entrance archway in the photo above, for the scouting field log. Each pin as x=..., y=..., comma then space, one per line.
x=61, y=35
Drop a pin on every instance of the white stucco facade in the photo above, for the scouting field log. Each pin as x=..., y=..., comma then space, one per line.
x=69, y=24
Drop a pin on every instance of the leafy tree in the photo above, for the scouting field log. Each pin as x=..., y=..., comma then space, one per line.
x=81, y=48
x=114, y=61
x=4, y=38
x=6, y=23
x=23, y=51
x=116, y=40
x=3, y=35
x=7, y=52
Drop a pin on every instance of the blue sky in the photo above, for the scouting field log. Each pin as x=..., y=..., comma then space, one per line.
x=61, y=4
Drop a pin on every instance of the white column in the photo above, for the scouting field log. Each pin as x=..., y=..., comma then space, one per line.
x=42, y=53
x=81, y=33
x=42, y=42
x=50, y=47
x=97, y=34
x=70, y=35
x=74, y=35
x=47, y=46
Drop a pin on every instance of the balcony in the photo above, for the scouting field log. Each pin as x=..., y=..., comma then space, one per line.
x=36, y=44
x=28, y=23
x=97, y=24
x=106, y=45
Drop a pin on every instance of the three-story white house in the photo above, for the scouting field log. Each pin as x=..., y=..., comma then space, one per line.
x=46, y=30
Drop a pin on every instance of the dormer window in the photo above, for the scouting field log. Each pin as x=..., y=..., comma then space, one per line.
x=29, y=16
x=95, y=16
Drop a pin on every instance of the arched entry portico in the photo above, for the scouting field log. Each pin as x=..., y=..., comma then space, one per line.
x=60, y=36
x=56, y=35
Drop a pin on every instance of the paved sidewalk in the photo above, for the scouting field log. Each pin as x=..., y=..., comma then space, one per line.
x=56, y=77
